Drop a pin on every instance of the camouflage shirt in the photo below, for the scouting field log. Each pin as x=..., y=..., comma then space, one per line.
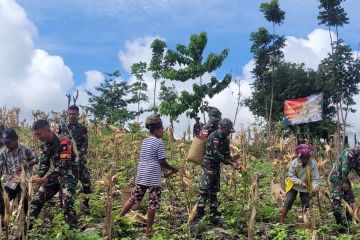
x=80, y=134
x=8, y=162
x=60, y=152
x=217, y=150
x=348, y=161
x=208, y=129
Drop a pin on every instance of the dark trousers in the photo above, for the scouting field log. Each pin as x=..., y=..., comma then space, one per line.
x=291, y=196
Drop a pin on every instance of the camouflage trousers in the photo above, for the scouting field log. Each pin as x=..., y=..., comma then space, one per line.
x=83, y=175
x=209, y=187
x=66, y=186
x=337, y=194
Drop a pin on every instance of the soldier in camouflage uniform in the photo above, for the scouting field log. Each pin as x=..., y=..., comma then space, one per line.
x=197, y=127
x=79, y=133
x=340, y=183
x=2, y=128
x=59, y=151
x=217, y=151
x=213, y=124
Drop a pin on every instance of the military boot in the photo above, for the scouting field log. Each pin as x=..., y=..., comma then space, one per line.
x=215, y=217
x=349, y=218
x=200, y=213
x=85, y=207
x=339, y=219
x=340, y=222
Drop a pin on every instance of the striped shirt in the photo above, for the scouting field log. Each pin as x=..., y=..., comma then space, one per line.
x=149, y=169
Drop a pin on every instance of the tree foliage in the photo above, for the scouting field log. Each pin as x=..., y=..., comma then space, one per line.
x=294, y=81
x=187, y=62
x=139, y=88
x=170, y=105
x=267, y=50
x=190, y=58
x=332, y=14
x=340, y=76
x=157, y=64
x=109, y=102
x=272, y=12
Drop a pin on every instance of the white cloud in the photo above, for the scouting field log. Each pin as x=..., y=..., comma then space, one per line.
x=93, y=79
x=136, y=50
x=16, y=33
x=29, y=78
x=46, y=81
x=309, y=51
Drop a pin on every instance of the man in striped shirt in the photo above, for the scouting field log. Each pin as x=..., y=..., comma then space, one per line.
x=152, y=160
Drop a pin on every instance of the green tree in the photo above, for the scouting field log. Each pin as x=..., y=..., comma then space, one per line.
x=267, y=48
x=139, y=88
x=294, y=81
x=171, y=107
x=276, y=16
x=272, y=12
x=109, y=102
x=157, y=64
x=187, y=62
x=340, y=76
x=332, y=14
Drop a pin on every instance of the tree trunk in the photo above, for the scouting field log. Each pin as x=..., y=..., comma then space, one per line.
x=340, y=140
x=270, y=113
x=202, y=103
x=272, y=88
x=238, y=103
x=331, y=41
x=337, y=35
x=171, y=139
x=138, y=112
x=155, y=94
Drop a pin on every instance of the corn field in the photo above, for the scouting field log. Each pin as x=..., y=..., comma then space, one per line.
x=250, y=199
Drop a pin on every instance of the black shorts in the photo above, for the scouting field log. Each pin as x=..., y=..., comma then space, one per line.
x=291, y=196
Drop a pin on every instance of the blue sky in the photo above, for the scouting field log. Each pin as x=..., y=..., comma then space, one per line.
x=50, y=48
x=89, y=33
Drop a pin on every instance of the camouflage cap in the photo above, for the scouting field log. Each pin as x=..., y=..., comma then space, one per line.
x=153, y=119
x=214, y=114
x=227, y=124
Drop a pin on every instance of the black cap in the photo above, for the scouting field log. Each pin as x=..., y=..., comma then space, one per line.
x=9, y=135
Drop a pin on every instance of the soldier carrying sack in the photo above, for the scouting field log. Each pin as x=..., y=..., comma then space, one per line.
x=197, y=149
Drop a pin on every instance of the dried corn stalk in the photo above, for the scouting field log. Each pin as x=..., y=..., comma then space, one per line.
x=254, y=203
x=277, y=191
x=192, y=214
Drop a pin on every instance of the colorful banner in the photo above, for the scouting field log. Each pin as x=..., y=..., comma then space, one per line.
x=303, y=110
